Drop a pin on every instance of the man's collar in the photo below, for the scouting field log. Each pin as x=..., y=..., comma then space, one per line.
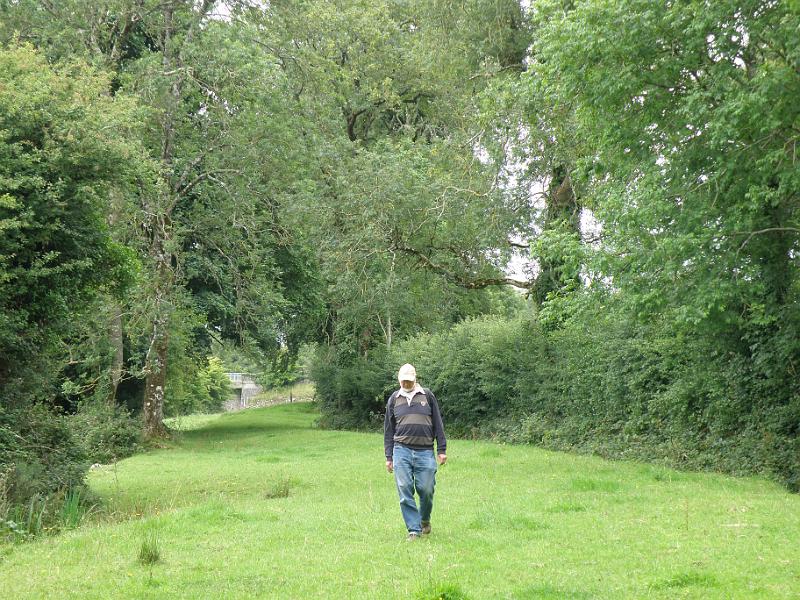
x=417, y=389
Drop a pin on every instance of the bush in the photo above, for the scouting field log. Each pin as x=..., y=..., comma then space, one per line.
x=62, y=152
x=599, y=383
x=39, y=453
x=106, y=433
x=42, y=463
x=473, y=368
x=44, y=457
x=351, y=395
x=196, y=389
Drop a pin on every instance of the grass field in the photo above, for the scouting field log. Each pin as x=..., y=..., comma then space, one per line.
x=259, y=504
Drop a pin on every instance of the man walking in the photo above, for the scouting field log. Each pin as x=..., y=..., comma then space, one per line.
x=411, y=424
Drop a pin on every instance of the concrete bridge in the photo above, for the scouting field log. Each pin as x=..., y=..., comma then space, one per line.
x=244, y=389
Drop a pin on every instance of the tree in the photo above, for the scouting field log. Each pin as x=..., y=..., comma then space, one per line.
x=61, y=155
x=689, y=124
x=406, y=216
x=688, y=129
x=209, y=232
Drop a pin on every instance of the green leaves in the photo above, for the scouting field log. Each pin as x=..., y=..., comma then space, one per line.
x=687, y=118
x=402, y=213
x=58, y=164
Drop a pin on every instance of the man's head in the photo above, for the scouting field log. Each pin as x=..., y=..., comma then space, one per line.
x=407, y=376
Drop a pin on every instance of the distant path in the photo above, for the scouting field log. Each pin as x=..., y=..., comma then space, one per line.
x=249, y=394
x=244, y=389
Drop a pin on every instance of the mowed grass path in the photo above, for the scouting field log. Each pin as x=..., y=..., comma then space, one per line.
x=509, y=522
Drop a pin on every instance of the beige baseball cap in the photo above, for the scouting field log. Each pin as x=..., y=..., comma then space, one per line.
x=407, y=373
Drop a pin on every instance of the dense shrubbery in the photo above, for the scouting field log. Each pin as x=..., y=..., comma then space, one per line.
x=39, y=453
x=44, y=457
x=106, y=433
x=65, y=150
x=472, y=368
x=350, y=393
x=599, y=385
x=197, y=389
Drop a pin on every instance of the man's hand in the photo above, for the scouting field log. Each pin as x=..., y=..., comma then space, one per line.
x=389, y=466
x=442, y=459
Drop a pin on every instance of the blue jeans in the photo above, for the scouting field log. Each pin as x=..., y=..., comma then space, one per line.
x=414, y=469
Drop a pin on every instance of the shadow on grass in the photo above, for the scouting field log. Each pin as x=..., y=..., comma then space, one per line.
x=549, y=592
x=228, y=429
x=257, y=421
x=441, y=591
x=687, y=579
x=583, y=484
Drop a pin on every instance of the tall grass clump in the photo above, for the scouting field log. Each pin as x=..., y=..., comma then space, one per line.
x=441, y=591
x=149, y=550
x=73, y=509
x=23, y=522
x=5, y=504
x=279, y=488
x=41, y=514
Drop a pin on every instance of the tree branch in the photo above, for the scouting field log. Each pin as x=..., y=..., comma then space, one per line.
x=461, y=280
x=122, y=37
x=203, y=176
x=751, y=234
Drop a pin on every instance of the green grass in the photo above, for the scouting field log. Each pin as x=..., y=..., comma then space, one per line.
x=72, y=510
x=259, y=504
x=190, y=422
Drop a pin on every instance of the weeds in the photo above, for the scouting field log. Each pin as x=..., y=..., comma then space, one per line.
x=42, y=514
x=21, y=523
x=149, y=551
x=6, y=527
x=441, y=591
x=278, y=489
x=5, y=503
x=34, y=518
x=73, y=509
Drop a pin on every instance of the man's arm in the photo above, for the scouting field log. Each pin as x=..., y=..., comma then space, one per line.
x=438, y=428
x=388, y=432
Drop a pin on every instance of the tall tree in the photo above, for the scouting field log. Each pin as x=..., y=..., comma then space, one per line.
x=689, y=122
x=210, y=236
x=64, y=147
x=406, y=203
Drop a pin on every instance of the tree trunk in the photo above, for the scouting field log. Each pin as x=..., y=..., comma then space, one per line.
x=155, y=382
x=156, y=359
x=774, y=253
x=161, y=221
x=561, y=213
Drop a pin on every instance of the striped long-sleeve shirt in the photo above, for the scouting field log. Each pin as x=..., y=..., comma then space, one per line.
x=414, y=424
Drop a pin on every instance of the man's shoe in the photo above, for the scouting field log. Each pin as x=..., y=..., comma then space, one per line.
x=412, y=536
x=426, y=527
